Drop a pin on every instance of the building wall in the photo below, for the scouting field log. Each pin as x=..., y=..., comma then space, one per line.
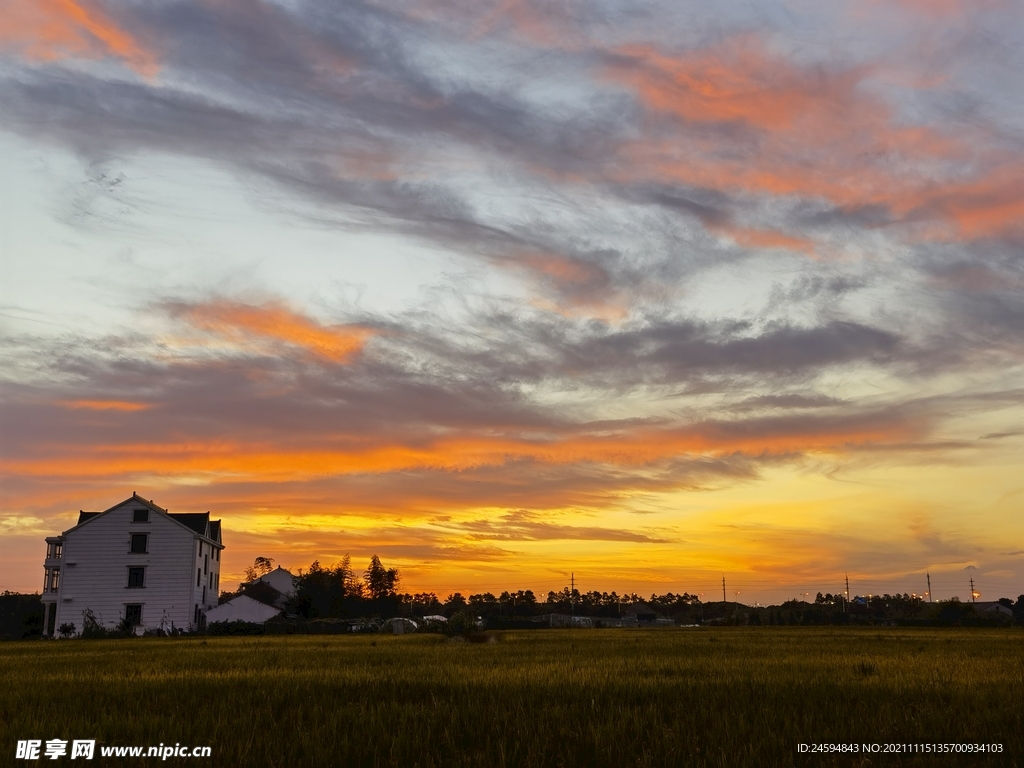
x=281, y=580
x=205, y=576
x=95, y=565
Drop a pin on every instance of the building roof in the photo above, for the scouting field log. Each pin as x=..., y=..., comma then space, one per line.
x=639, y=609
x=992, y=605
x=198, y=522
x=242, y=608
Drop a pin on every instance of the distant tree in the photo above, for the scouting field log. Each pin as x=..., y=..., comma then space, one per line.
x=261, y=566
x=380, y=581
x=527, y=598
x=454, y=603
x=422, y=604
x=952, y=611
x=332, y=591
x=350, y=582
x=21, y=615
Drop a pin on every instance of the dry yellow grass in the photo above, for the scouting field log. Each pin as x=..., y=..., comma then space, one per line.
x=721, y=697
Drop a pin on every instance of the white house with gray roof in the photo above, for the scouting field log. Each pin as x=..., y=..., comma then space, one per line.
x=136, y=562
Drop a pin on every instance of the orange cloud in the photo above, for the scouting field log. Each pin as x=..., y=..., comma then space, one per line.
x=811, y=133
x=548, y=26
x=581, y=288
x=47, y=30
x=348, y=455
x=105, y=405
x=737, y=83
x=764, y=238
x=569, y=271
x=993, y=204
x=248, y=324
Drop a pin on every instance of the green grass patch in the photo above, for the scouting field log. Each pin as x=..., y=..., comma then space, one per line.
x=716, y=697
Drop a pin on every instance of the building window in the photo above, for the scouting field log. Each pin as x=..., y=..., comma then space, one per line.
x=200, y=549
x=206, y=564
x=218, y=555
x=199, y=576
x=54, y=579
x=58, y=550
x=136, y=577
x=140, y=515
x=53, y=551
x=133, y=614
x=140, y=543
x=46, y=579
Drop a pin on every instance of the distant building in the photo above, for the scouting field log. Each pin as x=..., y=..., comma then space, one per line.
x=398, y=626
x=280, y=579
x=993, y=608
x=641, y=611
x=242, y=608
x=262, y=599
x=134, y=562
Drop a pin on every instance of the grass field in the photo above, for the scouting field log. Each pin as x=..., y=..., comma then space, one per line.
x=722, y=697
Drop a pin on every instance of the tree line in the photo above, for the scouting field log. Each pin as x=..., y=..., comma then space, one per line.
x=339, y=591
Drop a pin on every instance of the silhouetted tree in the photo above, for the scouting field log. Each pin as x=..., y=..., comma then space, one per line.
x=380, y=581
x=261, y=566
x=454, y=603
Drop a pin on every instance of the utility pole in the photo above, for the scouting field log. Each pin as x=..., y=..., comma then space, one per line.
x=724, y=598
x=929, y=577
x=572, y=593
x=847, y=587
x=972, y=589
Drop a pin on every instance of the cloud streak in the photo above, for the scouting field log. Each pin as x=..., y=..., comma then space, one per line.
x=672, y=251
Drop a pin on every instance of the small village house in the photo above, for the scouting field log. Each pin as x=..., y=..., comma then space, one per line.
x=262, y=599
x=280, y=579
x=135, y=563
x=242, y=608
x=993, y=608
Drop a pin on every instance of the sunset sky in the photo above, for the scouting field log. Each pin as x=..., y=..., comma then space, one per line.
x=504, y=290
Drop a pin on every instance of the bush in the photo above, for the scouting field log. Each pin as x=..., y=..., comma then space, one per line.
x=220, y=628
x=21, y=616
x=462, y=623
x=66, y=630
x=93, y=630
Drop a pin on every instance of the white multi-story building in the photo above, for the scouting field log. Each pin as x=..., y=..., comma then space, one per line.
x=135, y=562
